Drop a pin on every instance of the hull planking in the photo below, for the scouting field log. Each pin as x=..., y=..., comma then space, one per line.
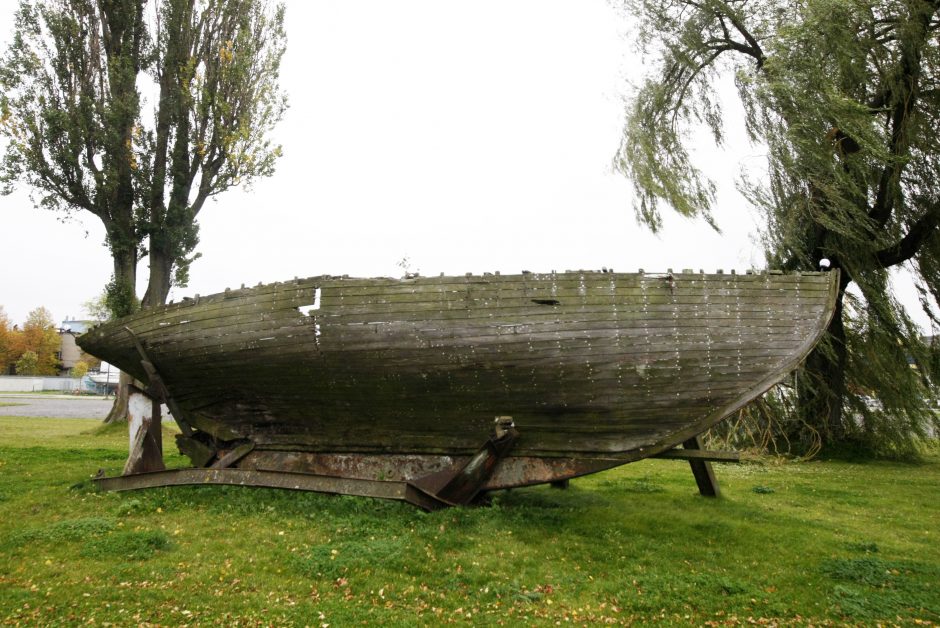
x=400, y=378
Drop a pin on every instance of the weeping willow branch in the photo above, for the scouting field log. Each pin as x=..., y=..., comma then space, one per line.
x=843, y=100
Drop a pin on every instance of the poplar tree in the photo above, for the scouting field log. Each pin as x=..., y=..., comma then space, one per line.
x=138, y=112
x=843, y=97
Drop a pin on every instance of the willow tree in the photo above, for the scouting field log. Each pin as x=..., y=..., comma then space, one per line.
x=844, y=98
x=82, y=134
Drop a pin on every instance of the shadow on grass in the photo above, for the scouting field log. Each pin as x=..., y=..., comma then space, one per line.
x=869, y=587
x=859, y=452
x=97, y=537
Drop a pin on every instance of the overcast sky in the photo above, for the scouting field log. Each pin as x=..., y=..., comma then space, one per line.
x=463, y=136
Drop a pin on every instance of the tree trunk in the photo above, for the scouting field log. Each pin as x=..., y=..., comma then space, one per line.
x=157, y=290
x=161, y=268
x=118, y=411
x=821, y=384
x=125, y=276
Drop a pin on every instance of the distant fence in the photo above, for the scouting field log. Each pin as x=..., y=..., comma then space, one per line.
x=26, y=383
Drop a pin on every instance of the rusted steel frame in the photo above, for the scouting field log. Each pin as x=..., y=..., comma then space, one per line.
x=699, y=454
x=512, y=472
x=157, y=386
x=400, y=491
x=460, y=487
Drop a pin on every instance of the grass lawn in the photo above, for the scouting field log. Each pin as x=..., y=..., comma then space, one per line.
x=813, y=543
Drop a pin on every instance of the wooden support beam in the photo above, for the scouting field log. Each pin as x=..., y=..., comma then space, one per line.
x=145, y=434
x=702, y=469
x=158, y=389
x=234, y=456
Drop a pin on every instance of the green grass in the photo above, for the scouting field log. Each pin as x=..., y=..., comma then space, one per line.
x=813, y=543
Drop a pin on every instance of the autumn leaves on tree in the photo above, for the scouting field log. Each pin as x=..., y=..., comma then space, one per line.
x=31, y=350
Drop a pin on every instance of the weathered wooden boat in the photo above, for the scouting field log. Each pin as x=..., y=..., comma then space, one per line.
x=371, y=381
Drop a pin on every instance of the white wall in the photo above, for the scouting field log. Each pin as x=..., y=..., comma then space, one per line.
x=25, y=383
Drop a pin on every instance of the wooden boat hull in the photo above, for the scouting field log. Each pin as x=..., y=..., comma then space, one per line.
x=401, y=378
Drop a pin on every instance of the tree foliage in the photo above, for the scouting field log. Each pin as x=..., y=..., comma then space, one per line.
x=844, y=96
x=7, y=356
x=39, y=338
x=80, y=369
x=216, y=63
x=28, y=364
x=97, y=308
x=69, y=110
x=138, y=113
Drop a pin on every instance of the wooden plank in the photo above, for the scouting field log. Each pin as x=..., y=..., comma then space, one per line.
x=304, y=288
x=305, y=292
x=558, y=297
x=334, y=372
x=561, y=365
x=568, y=288
x=417, y=331
x=256, y=314
x=408, y=332
x=520, y=306
x=411, y=332
x=588, y=280
x=407, y=347
x=305, y=355
x=233, y=456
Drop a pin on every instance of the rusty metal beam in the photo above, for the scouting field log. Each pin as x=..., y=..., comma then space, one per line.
x=462, y=487
x=401, y=491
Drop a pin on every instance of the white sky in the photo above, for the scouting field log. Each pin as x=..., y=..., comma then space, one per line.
x=465, y=136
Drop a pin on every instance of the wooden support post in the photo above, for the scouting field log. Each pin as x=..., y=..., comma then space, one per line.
x=702, y=470
x=145, y=433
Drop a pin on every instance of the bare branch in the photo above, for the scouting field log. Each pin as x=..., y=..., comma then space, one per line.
x=908, y=246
